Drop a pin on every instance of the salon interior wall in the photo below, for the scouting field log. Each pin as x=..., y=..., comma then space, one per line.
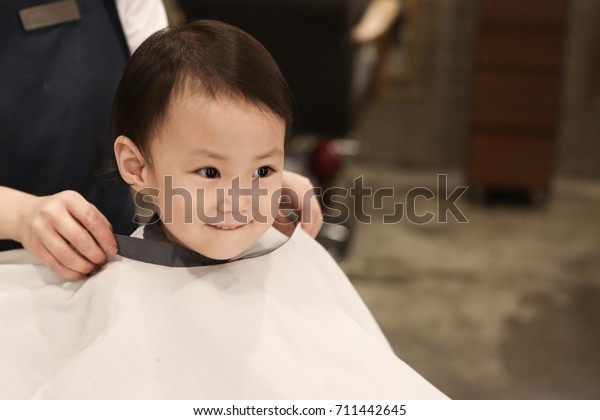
x=579, y=138
x=426, y=106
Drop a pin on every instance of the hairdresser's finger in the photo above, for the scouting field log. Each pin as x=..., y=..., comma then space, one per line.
x=284, y=224
x=40, y=251
x=314, y=222
x=80, y=239
x=298, y=188
x=65, y=254
x=91, y=219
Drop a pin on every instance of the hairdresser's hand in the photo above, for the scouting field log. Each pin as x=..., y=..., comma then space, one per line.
x=298, y=193
x=67, y=233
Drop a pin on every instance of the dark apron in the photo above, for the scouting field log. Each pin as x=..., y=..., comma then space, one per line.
x=56, y=90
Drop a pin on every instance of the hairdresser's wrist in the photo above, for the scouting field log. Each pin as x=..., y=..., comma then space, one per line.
x=14, y=213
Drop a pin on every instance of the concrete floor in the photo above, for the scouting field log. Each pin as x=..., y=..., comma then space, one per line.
x=506, y=306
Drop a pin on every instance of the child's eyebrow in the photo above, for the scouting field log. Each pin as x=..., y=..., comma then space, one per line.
x=209, y=154
x=214, y=155
x=271, y=153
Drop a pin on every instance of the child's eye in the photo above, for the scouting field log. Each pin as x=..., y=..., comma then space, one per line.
x=208, y=172
x=262, y=172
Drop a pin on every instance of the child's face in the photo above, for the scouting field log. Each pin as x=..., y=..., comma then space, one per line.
x=220, y=151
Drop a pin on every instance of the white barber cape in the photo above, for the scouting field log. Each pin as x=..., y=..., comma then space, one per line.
x=284, y=325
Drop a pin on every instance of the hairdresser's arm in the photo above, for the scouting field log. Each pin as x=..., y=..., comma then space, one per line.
x=67, y=233
x=300, y=196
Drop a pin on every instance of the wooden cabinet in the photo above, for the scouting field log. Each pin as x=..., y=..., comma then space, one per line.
x=516, y=93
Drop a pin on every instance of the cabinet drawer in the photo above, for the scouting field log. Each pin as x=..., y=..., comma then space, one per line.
x=510, y=161
x=526, y=13
x=520, y=101
x=520, y=49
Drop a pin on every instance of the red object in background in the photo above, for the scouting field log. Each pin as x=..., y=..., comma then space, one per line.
x=326, y=161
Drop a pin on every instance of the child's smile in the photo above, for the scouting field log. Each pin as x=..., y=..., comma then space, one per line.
x=227, y=227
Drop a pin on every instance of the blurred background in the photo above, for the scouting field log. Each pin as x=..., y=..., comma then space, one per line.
x=500, y=96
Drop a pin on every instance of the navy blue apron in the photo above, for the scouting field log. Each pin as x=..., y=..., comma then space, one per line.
x=56, y=91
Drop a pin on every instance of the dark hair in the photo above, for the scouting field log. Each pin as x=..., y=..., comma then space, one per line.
x=205, y=55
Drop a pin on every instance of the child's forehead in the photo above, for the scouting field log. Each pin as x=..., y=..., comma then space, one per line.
x=197, y=98
x=195, y=114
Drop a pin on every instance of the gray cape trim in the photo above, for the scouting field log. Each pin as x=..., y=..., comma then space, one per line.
x=155, y=248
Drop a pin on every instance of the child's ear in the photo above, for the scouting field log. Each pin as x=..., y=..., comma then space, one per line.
x=132, y=166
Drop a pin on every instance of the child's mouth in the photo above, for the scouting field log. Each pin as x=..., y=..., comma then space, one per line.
x=226, y=227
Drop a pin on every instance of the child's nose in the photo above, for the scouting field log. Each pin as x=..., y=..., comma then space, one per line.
x=238, y=197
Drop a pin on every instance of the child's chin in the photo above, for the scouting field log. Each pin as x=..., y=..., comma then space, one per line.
x=225, y=253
